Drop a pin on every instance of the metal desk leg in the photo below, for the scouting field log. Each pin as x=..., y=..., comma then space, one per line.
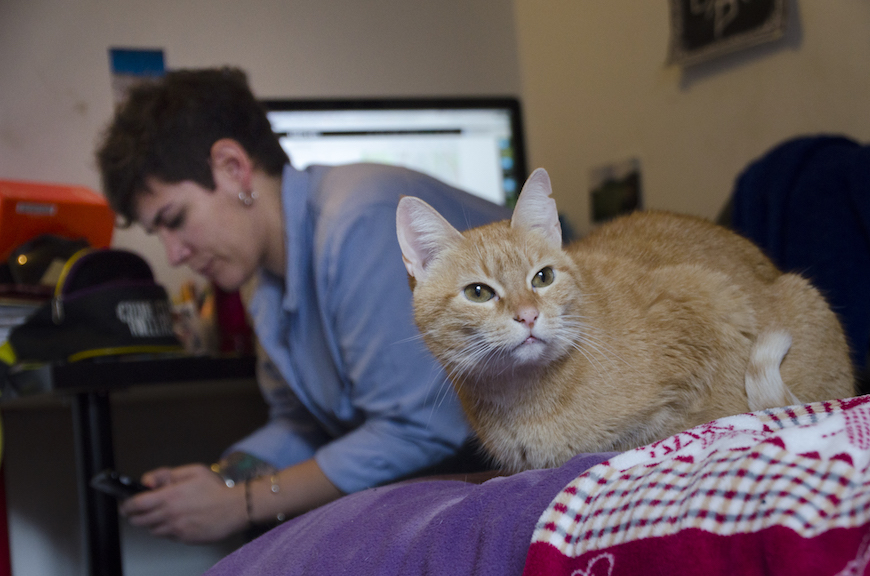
x=94, y=452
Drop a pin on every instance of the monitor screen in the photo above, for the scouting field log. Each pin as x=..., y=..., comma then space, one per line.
x=475, y=144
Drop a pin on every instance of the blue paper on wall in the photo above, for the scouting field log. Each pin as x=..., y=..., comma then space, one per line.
x=131, y=65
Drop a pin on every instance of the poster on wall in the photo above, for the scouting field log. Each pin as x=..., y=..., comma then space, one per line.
x=614, y=189
x=131, y=65
x=705, y=29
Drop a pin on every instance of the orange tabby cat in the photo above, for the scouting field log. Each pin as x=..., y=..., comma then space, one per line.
x=652, y=324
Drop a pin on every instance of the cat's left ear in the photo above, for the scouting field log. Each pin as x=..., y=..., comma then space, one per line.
x=535, y=210
x=423, y=233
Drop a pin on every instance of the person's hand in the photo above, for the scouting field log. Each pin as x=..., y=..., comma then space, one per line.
x=189, y=503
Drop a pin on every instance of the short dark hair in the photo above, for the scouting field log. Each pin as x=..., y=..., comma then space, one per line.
x=165, y=129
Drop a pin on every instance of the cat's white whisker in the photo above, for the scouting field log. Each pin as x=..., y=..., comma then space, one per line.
x=597, y=342
x=590, y=333
x=442, y=392
x=416, y=338
x=595, y=362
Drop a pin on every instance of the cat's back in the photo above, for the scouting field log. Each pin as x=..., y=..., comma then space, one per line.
x=656, y=239
x=650, y=260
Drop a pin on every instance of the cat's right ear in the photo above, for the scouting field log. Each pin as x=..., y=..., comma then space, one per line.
x=423, y=233
x=536, y=211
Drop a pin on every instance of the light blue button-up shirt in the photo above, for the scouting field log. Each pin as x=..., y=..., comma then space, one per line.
x=349, y=381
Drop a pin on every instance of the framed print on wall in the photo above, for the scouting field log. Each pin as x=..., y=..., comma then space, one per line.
x=705, y=29
x=614, y=189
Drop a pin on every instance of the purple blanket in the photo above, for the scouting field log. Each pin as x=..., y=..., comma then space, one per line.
x=422, y=527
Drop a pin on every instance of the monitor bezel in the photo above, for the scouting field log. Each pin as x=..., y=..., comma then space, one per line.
x=510, y=103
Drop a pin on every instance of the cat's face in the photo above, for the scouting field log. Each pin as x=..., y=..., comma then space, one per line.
x=499, y=300
x=495, y=300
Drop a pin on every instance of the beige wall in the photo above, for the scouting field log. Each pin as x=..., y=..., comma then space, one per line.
x=55, y=92
x=596, y=89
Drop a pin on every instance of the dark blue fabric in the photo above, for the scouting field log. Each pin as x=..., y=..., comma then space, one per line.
x=424, y=527
x=806, y=203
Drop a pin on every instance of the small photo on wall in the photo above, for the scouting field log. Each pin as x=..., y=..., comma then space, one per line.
x=705, y=29
x=615, y=189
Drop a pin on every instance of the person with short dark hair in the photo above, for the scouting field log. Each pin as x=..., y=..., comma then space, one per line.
x=355, y=398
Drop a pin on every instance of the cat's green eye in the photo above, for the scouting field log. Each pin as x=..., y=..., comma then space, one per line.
x=544, y=277
x=479, y=292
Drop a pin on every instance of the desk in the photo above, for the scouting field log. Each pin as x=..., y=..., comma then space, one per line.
x=89, y=385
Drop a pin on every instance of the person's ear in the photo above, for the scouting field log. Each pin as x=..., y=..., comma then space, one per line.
x=230, y=160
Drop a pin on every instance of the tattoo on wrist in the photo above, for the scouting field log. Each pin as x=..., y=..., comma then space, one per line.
x=241, y=466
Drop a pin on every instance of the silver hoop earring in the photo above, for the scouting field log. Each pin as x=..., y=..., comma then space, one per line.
x=248, y=199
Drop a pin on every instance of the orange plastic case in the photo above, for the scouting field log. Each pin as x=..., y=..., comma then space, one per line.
x=28, y=209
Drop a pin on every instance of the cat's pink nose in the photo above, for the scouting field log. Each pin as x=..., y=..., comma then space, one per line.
x=527, y=315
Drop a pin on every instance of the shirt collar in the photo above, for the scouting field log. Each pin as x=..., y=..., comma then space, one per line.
x=294, y=203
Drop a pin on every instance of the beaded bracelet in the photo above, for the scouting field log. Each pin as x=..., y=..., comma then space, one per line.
x=248, y=506
x=273, y=480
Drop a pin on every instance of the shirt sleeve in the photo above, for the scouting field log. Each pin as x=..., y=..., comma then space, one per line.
x=410, y=414
x=292, y=434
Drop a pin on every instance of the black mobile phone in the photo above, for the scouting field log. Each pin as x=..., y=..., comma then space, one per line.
x=117, y=485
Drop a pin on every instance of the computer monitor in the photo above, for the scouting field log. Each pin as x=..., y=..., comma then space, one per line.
x=475, y=144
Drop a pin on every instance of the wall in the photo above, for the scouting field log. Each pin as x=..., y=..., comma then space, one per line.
x=55, y=90
x=55, y=97
x=597, y=89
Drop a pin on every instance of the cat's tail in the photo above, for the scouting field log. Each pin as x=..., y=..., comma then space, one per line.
x=764, y=385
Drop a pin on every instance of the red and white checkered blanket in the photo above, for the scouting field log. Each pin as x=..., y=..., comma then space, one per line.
x=784, y=491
